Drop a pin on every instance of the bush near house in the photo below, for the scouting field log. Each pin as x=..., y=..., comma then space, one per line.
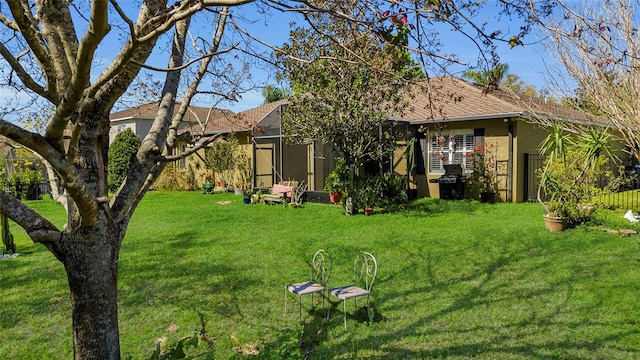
x=24, y=182
x=122, y=153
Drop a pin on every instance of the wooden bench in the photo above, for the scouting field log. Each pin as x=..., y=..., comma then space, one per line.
x=281, y=192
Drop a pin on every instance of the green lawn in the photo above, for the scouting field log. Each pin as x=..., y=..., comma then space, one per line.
x=457, y=279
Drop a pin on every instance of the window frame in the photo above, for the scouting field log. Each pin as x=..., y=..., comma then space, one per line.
x=444, y=150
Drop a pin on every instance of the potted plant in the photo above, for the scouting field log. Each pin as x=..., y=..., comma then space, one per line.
x=569, y=179
x=258, y=197
x=337, y=181
x=483, y=178
x=247, y=196
x=367, y=193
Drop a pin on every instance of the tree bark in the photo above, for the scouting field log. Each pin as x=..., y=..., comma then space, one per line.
x=92, y=271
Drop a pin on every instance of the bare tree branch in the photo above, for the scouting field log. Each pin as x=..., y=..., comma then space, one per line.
x=37, y=227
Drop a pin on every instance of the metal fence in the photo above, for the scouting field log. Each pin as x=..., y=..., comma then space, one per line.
x=26, y=191
x=626, y=197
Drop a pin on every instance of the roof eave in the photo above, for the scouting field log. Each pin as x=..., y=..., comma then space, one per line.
x=531, y=115
x=470, y=118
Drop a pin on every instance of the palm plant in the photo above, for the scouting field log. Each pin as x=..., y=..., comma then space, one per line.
x=571, y=171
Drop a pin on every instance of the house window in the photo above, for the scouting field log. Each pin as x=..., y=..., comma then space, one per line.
x=450, y=149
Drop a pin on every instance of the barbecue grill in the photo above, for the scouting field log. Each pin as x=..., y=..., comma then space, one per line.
x=452, y=182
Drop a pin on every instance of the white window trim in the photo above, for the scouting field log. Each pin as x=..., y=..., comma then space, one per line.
x=449, y=149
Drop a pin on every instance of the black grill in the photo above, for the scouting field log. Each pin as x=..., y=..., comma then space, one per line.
x=452, y=183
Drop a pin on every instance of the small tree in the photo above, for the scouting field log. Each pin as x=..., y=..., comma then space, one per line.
x=348, y=84
x=597, y=44
x=122, y=153
x=220, y=157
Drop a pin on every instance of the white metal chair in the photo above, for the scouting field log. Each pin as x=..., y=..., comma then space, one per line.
x=321, y=267
x=365, y=269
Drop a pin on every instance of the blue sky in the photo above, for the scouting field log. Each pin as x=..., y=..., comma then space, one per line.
x=526, y=62
x=529, y=61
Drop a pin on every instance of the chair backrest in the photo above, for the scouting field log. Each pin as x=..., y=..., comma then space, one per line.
x=365, y=269
x=321, y=267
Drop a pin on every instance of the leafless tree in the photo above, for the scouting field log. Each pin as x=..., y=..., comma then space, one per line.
x=598, y=45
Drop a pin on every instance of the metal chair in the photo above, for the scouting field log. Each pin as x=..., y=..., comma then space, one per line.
x=321, y=267
x=365, y=268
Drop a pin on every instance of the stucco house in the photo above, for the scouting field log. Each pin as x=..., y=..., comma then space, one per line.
x=140, y=118
x=224, y=127
x=449, y=119
x=198, y=122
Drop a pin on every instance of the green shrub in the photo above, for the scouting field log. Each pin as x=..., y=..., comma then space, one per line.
x=171, y=179
x=122, y=153
x=24, y=183
x=383, y=191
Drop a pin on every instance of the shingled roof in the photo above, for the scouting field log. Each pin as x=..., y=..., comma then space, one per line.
x=216, y=120
x=253, y=116
x=452, y=99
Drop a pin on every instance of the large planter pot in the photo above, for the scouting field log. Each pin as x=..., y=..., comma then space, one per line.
x=555, y=224
x=335, y=197
x=488, y=197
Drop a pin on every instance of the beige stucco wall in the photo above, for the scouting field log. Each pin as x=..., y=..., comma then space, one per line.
x=196, y=161
x=495, y=133
x=526, y=138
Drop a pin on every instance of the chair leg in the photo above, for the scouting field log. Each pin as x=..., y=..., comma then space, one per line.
x=324, y=309
x=328, y=307
x=344, y=302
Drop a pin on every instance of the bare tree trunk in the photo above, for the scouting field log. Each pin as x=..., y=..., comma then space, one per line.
x=92, y=272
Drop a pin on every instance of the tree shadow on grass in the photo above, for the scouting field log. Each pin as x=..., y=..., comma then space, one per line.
x=314, y=331
x=458, y=325
x=433, y=206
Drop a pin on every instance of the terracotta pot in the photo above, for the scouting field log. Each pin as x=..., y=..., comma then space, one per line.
x=555, y=224
x=368, y=211
x=335, y=197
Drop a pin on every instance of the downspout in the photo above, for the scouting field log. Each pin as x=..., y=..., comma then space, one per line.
x=254, y=156
x=510, y=161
